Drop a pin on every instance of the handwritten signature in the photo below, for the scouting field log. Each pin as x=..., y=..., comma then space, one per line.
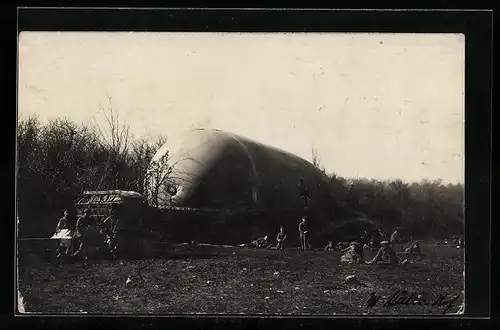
x=402, y=297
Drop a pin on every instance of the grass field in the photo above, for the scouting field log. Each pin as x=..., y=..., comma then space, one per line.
x=243, y=281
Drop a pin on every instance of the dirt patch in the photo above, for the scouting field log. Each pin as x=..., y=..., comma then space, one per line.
x=251, y=282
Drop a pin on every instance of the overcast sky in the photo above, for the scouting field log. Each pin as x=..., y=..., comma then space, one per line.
x=380, y=106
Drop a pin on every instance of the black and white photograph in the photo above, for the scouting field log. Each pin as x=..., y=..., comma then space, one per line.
x=183, y=173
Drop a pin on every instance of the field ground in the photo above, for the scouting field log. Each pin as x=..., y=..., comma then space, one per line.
x=240, y=281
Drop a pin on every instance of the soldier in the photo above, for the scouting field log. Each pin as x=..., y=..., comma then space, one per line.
x=395, y=236
x=339, y=247
x=352, y=254
x=414, y=249
x=385, y=255
x=374, y=244
x=81, y=223
x=63, y=222
x=329, y=246
x=109, y=232
x=80, y=230
x=261, y=242
x=280, y=238
x=64, y=243
x=303, y=233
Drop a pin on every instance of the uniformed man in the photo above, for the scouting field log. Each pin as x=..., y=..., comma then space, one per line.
x=413, y=249
x=80, y=231
x=64, y=243
x=109, y=232
x=63, y=222
x=385, y=255
x=352, y=254
x=261, y=242
x=329, y=246
x=303, y=233
x=374, y=244
x=395, y=237
x=280, y=238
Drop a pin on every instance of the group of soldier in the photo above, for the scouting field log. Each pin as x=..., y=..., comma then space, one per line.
x=352, y=252
x=385, y=250
x=83, y=236
x=264, y=242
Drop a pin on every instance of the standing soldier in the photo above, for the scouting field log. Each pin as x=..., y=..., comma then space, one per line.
x=395, y=238
x=280, y=238
x=64, y=243
x=80, y=231
x=109, y=232
x=303, y=234
x=63, y=222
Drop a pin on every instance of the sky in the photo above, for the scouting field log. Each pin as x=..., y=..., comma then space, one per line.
x=376, y=106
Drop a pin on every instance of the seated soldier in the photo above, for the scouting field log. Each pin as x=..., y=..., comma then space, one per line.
x=358, y=249
x=414, y=249
x=351, y=254
x=374, y=244
x=386, y=255
x=329, y=246
x=261, y=242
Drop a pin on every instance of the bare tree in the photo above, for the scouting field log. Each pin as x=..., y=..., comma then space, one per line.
x=316, y=160
x=115, y=138
x=142, y=153
x=117, y=134
x=158, y=177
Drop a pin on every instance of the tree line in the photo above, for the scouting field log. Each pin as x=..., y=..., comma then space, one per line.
x=56, y=161
x=426, y=209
